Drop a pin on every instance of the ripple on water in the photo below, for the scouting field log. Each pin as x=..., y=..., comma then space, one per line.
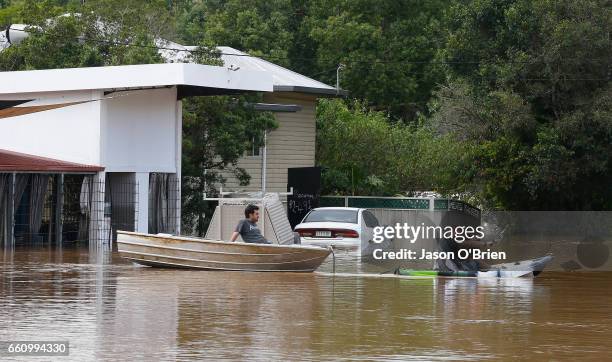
x=117, y=310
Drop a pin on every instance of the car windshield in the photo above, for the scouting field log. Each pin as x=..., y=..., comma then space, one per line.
x=348, y=216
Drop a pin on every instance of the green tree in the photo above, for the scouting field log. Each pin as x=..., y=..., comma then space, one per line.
x=529, y=85
x=259, y=27
x=363, y=153
x=84, y=39
x=507, y=100
x=387, y=48
x=9, y=13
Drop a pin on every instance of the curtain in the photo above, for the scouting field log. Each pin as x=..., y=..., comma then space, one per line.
x=158, y=203
x=85, y=207
x=38, y=191
x=21, y=183
x=4, y=188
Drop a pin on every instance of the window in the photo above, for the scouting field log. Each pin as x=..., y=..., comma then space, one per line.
x=332, y=215
x=370, y=220
x=254, y=147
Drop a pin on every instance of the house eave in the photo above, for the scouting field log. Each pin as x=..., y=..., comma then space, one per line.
x=326, y=92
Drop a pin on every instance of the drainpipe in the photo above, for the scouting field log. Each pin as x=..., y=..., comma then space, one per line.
x=264, y=164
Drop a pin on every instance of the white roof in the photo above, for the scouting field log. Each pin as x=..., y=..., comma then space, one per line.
x=192, y=77
x=284, y=79
x=338, y=208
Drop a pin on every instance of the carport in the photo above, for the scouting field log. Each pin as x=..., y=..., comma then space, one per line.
x=44, y=200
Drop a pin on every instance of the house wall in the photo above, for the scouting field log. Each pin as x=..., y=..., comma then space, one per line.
x=139, y=131
x=132, y=132
x=69, y=134
x=292, y=144
x=141, y=134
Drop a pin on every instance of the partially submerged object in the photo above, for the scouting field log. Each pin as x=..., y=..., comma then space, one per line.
x=163, y=250
x=525, y=268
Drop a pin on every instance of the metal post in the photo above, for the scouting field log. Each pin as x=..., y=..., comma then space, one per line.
x=10, y=222
x=142, y=179
x=263, y=216
x=220, y=205
x=97, y=225
x=59, y=208
x=179, y=167
x=340, y=67
x=264, y=164
x=135, y=200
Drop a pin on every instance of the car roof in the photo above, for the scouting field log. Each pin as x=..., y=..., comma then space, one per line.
x=338, y=208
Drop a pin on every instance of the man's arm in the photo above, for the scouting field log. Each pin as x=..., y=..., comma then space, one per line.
x=237, y=231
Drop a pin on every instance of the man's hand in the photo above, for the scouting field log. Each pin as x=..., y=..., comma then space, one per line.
x=234, y=236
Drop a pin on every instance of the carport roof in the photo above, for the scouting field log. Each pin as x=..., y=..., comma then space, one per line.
x=20, y=162
x=190, y=79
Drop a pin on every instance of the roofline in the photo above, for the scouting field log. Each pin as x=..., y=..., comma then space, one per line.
x=339, y=208
x=41, y=164
x=329, y=92
x=324, y=89
x=207, y=78
x=49, y=172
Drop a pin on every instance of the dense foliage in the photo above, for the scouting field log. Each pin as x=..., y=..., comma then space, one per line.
x=365, y=154
x=507, y=102
x=535, y=102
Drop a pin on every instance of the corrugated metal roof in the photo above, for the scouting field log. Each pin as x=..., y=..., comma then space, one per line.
x=214, y=80
x=20, y=162
x=282, y=78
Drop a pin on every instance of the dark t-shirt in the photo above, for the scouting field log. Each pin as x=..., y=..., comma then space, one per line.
x=456, y=264
x=250, y=232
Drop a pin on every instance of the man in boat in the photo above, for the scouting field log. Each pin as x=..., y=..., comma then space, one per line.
x=247, y=227
x=456, y=219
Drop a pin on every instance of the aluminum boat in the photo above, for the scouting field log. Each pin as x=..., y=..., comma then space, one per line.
x=162, y=250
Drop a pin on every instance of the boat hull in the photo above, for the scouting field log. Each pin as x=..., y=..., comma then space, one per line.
x=191, y=253
x=521, y=269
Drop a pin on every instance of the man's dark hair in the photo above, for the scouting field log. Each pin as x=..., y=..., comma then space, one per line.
x=249, y=210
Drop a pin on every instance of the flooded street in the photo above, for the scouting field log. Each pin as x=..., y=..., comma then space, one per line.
x=109, y=309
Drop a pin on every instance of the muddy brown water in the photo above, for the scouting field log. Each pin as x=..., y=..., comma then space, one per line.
x=109, y=309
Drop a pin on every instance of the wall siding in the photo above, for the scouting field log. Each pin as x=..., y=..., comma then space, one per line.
x=292, y=144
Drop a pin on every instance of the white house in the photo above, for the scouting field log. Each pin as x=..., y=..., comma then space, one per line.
x=126, y=120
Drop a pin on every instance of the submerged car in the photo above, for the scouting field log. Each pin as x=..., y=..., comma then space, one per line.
x=340, y=227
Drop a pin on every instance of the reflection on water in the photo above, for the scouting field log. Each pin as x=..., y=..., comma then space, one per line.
x=110, y=309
